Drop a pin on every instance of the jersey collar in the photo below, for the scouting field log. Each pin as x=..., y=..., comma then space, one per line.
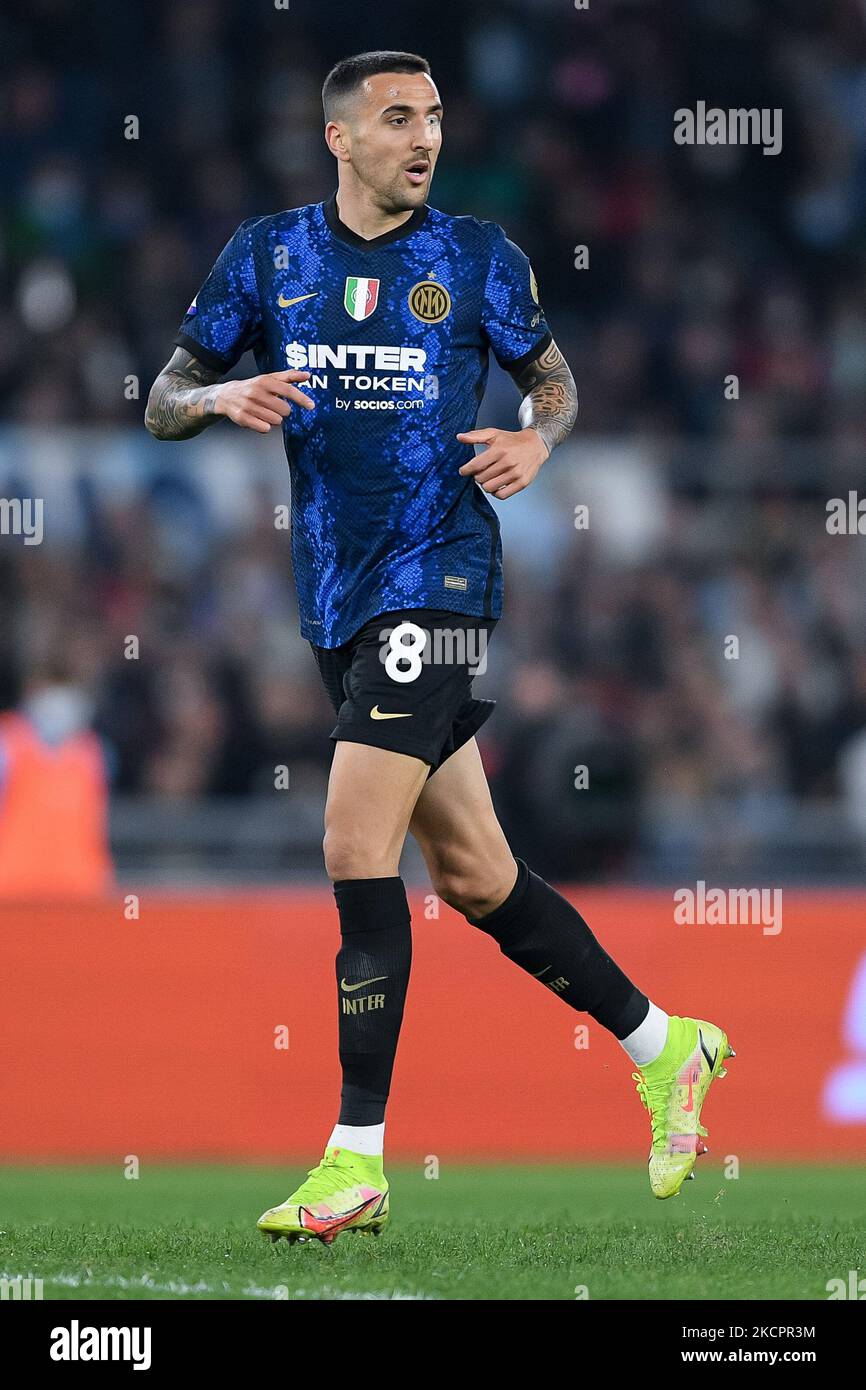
x=344, y=233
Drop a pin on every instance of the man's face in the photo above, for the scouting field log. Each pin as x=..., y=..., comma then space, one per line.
x=392, y=132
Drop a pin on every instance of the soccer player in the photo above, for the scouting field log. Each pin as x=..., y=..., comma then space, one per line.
x=371, y=317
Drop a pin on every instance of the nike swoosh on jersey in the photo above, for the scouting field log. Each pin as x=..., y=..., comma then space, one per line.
x=376, y=713
x=286, y=303
x=361, y=983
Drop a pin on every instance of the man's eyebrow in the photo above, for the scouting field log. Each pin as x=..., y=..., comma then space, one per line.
x=406, y=106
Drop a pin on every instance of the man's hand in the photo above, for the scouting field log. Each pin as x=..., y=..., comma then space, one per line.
x=261, y=401
x=187, y=397
x=510, y=461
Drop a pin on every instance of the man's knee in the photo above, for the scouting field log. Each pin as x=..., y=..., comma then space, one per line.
x=351, y=853
x=474, y=889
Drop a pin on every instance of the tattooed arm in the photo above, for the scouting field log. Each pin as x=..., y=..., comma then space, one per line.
x=547, y=413
x=187, y=397
x=549, y=403
x=181, y=401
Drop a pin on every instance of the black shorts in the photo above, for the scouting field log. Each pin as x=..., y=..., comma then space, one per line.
x=427, y=717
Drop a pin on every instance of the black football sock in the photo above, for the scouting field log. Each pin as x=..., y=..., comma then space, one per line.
x=541, y=932
x=372, y=976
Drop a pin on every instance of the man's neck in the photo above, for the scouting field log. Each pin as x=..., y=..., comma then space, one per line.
x=357, y=212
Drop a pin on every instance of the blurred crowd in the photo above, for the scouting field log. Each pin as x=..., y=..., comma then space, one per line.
x=164, y=597
x=134, y=139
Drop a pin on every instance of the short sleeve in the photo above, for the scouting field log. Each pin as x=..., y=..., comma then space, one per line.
x=224, y=319
x=512, y=318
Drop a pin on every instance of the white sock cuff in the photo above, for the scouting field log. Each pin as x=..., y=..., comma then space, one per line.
x=648, y=1039
x=359, y=1139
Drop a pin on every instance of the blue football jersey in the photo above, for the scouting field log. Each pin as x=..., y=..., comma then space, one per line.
x=395, y=333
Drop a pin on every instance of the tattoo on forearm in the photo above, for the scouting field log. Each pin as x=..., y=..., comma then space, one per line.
x=181, y=400
x=549, y=402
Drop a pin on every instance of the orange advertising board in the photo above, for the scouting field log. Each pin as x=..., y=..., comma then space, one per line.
x=207, y=1029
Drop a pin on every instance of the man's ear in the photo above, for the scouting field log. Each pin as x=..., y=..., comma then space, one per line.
x=336, y=141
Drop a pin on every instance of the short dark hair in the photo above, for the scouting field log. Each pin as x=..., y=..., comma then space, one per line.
x=349, y=73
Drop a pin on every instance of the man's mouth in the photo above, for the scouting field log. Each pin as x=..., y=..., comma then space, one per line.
x=416, y=173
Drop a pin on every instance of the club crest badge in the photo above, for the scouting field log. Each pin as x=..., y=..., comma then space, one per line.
x=429, y=301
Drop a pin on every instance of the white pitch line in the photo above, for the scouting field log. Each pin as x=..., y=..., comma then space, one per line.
x=279, y=1293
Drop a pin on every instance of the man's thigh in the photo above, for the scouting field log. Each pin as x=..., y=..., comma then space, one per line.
x=371, y=794
x=456, y=827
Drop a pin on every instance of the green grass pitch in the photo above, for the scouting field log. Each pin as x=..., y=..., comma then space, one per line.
x=496, y=1232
